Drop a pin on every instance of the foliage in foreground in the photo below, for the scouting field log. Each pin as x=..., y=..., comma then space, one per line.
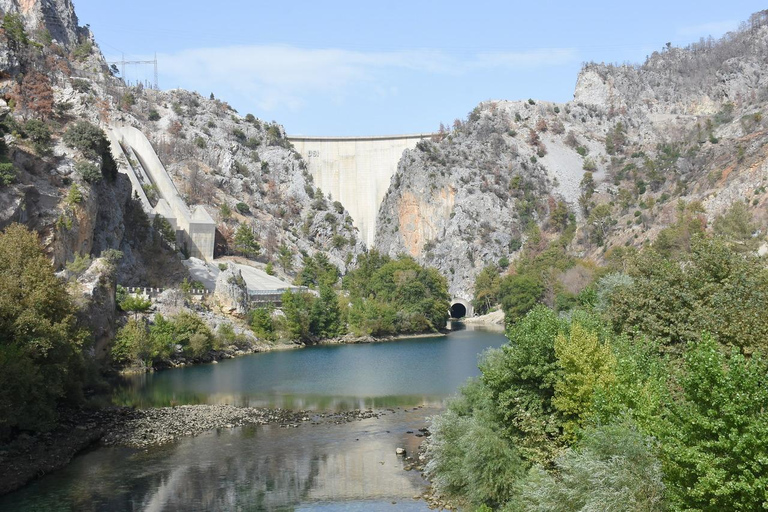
x=569, y=416
x=40, y=341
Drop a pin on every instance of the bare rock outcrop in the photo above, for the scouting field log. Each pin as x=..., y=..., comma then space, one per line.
x=231, y=291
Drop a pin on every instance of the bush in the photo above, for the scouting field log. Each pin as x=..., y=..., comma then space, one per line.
x=40, y=135
x=7, y=173
x=93, y=143
x=153, y=115
x=243, y=208
x=88, y=171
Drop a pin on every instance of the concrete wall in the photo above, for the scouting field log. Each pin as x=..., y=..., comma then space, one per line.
x=195, y=230
x=355, y=171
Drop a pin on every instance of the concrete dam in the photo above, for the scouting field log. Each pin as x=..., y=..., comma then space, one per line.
x=355, y=171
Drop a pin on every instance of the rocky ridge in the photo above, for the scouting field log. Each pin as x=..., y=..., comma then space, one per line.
x=688, y=124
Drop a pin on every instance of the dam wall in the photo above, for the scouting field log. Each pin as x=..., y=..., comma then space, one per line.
x=355, y=171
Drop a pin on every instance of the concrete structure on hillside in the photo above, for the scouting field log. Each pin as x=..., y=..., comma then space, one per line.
x=137, y=158
x=355, y=171
x=461, y=308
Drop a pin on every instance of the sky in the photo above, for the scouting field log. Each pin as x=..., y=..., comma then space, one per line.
x=348, y=68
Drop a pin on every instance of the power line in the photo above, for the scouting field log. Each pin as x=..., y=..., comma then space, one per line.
x=124, y=62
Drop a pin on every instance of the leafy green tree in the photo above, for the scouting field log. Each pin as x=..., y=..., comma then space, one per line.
x=419, y=295
x=93, y=143
x=161, y=225
x=521, y=378
x=715, y=449
x=133, y=343
x=317, y=271
x=262, y=324
x=15, y=33
x=487, y=287
x=585, y=364
x=7, y=174
x=40, y=340
x=519, y=294
x=713, y=288
x=468, y=456
x=245, y=242
x=368, y=317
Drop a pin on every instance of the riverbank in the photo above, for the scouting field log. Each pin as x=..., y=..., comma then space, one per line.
x=493, y=320
x=232, y=352
x=31, y=456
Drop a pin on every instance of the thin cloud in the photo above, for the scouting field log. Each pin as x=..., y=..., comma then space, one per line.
x=274, y=77
x=714, y=29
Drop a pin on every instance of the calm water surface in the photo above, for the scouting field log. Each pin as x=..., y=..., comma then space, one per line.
x=321, y=467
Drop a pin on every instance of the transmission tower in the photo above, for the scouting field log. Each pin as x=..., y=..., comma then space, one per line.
x=124, y=62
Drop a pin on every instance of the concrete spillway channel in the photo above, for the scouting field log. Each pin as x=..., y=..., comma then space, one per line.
x=137, y=158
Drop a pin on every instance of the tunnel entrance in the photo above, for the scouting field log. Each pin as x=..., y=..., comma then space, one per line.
x=458, y=310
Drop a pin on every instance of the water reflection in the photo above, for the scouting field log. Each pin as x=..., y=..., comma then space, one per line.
x=325, y=467
x=256, y=468
x=404, y=373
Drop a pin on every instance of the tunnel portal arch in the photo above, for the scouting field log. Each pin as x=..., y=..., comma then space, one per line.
x=460, y=308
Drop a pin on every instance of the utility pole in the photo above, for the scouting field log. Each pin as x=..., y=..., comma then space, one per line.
x=124, y=62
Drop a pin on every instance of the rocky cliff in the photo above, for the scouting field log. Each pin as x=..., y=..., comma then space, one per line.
x=687, y=124
x=241, y=169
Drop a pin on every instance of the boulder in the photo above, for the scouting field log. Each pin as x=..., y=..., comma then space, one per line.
x=231, y=291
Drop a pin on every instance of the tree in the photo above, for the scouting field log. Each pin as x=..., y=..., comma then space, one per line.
x=285, y=258
x=135, y=304
x=245, y=242
x=93, y=143
x=613, y=469
x=40, y=339
x=486, y=289
x=326, y=318
x=736, y=226
x=521, y=379
x=715, y=447
x=519, y=293
x=586, y=364
x=601, y=222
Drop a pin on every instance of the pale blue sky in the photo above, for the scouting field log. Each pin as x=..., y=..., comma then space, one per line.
x=363, y=68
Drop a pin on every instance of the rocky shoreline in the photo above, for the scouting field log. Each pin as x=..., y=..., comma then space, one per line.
x=31, y=456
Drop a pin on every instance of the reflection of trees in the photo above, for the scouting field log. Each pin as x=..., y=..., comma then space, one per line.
x=255, y=468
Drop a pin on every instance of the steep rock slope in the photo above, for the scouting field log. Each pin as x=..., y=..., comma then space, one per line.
x=687, y=124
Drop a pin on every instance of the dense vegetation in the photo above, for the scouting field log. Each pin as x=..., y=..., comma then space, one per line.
x=383, y=296
x=41, y=343
x=649, y=393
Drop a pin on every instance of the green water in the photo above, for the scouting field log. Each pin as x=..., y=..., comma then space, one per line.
x=329, y=467
x=329, y=377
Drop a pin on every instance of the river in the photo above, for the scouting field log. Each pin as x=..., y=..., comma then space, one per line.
x=351, y=466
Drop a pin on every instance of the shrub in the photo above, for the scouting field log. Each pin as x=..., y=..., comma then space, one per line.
x=153, y=115
x=243, y=208
x=88, y=170
x=40, y=135
x=7, y=173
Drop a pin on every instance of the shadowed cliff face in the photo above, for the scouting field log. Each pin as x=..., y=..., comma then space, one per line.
x=56, y=16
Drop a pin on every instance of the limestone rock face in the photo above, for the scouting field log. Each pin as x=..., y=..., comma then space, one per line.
x=231, y=291
x=57, y=16
x=96, y=299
